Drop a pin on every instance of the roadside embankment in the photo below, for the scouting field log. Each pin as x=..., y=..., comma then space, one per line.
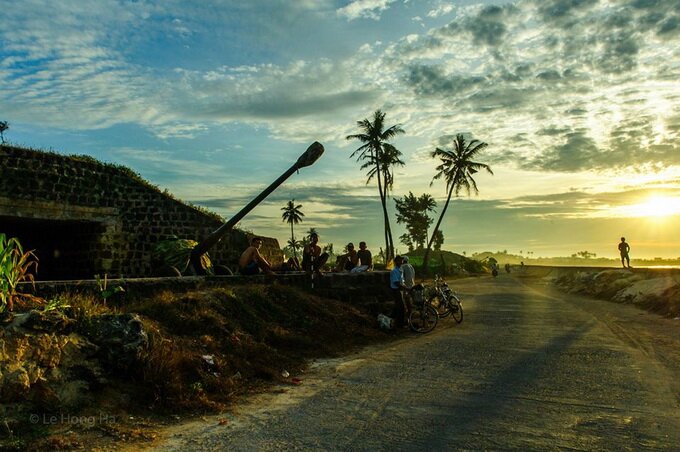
x=96, y=362
x=654, y=289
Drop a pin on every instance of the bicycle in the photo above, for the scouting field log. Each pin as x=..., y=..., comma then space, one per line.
x=423, y=317
x=445, y=301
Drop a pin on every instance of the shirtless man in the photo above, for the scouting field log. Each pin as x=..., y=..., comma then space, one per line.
x=348, y=261
x=312, y=258
x=251, y=261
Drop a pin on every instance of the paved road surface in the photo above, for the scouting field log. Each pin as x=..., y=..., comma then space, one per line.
x=529, y=369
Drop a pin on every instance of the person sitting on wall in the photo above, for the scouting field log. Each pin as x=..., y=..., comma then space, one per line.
x=347, y=262
x=291, y=265
x=312, y=257
x=365, y=259
x=252, y=261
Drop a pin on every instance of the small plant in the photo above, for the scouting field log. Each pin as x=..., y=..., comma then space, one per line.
x=58, y=303
x=15, y=267
x=104, y=291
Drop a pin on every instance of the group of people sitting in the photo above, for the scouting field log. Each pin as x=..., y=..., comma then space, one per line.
x=402, y=276
x=355, y=261
x=253, y=262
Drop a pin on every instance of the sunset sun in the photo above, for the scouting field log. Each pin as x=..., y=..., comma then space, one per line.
x=654, y=207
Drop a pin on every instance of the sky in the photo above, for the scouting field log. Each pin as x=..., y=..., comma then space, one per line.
x=578, y=101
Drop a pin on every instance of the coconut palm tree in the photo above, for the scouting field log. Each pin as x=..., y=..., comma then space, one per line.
x=292, y=245
x=375, y=138
x=457, y=168
x=292, y=215
x=389, y=158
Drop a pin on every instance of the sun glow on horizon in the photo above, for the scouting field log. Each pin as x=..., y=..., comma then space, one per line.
x=654, y=207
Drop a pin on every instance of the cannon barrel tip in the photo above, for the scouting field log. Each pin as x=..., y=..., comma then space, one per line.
x=311, y=155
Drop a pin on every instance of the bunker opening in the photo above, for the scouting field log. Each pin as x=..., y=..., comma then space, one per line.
x=66, y=249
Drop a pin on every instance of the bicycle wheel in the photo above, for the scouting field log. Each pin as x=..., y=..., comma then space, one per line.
x=441, y=305
x=423, y=318
x=456, y=308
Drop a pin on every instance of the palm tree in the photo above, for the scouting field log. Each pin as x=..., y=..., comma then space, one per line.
x=294, y=245
x=377, y=152
x=292, y=215
x=457, y=168
x=389, y=158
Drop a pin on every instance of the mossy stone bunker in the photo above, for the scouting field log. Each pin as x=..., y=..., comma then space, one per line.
x=84, y=217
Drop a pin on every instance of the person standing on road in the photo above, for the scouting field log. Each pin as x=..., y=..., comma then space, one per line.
x=396, y=287
x=409, y=273
x=409, y=281
x=624, y=249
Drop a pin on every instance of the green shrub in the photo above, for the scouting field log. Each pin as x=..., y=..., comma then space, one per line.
x=473, y=266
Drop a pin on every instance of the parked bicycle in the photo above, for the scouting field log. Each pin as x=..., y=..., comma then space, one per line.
x=445, y=301
x=423, y=317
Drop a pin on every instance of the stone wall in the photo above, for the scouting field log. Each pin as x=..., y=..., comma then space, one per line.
x=348, y=287
x=85, y=217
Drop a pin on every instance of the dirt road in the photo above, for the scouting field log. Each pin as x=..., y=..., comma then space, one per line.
x=529, y=368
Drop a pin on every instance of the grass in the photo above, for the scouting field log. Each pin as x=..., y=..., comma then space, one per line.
x=205, y=348
x=251, y=334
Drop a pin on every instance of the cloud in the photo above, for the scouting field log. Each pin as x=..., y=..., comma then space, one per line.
x=433, y=81
x=486, y=86
x=565, y=12
x=577, y=153
x=603, y=89
x=489, y=27
x=369, y=9
x=440, y=10
x=669, y=28
x=583, y=204
x=331, y=208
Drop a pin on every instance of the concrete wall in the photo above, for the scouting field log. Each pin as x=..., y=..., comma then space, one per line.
x=85, y=217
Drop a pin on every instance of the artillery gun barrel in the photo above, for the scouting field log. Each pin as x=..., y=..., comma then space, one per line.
x=308, y=158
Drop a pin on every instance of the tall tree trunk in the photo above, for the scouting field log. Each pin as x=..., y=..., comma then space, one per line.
x=434, y=231
x=388, y=227
x=292, y=240
x=384, y=205
x=391, y=239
